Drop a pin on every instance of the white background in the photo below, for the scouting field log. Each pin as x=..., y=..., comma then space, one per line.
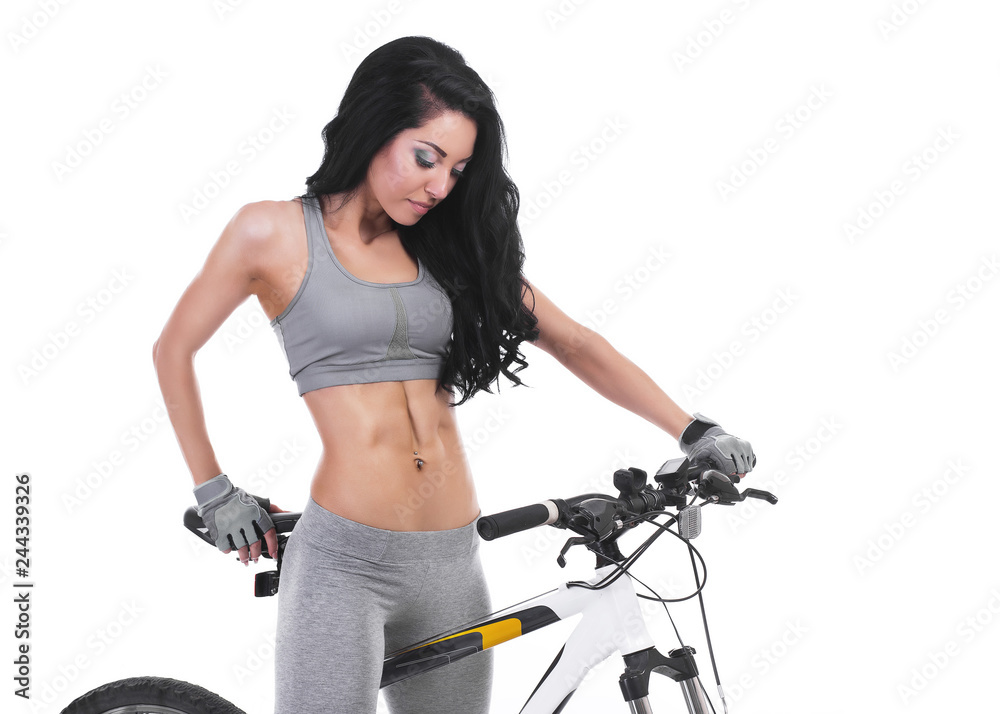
x=854, y=592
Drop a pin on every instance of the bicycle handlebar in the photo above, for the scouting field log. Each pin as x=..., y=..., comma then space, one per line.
x=676, y=479
x=597, y=511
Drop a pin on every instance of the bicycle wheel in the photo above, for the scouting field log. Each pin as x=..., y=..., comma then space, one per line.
x=150, y=695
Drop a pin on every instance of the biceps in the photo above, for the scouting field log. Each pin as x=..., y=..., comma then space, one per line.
x=558, y=333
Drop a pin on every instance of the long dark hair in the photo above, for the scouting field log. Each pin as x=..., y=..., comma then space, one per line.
x=470, y=242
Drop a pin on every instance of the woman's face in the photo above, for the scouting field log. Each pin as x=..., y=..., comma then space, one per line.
x=419, y=168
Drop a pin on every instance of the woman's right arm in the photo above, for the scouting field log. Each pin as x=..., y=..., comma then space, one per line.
x=224, y=282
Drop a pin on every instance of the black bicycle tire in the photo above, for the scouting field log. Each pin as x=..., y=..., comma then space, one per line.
x=151, y=695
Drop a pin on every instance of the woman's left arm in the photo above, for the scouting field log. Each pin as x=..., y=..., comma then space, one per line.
x=612, y=375
x=606, y=370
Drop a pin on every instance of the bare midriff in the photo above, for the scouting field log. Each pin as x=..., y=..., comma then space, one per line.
x=392, y=456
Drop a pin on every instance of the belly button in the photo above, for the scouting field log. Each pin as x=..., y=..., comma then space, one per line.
x=419, y=462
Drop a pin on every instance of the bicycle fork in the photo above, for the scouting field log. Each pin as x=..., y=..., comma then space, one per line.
x=679, y=666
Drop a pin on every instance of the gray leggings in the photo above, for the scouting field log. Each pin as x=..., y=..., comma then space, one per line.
x=351, y=593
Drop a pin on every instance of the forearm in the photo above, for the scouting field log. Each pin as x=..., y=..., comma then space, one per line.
x=615, y=377
x=182, y=399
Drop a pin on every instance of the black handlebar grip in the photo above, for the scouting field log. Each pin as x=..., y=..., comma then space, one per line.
x=193, y=522
x=516, y=520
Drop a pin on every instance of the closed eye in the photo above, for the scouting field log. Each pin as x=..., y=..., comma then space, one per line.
x=424, y=160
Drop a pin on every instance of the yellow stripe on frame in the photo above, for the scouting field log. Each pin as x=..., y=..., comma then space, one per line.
x=493, y=634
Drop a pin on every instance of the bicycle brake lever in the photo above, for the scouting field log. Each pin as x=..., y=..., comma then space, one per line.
x=762, y=495
x=719, y=488
x=727, y=494
x=569, y=544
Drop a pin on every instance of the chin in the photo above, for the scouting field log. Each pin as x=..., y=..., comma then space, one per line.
x=407, y=221
x=406, y=215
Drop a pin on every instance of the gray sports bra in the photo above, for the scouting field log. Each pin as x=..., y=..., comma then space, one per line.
x=339, y=329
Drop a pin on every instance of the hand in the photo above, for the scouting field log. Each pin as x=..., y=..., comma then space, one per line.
x=234, y=519
x=703, y=440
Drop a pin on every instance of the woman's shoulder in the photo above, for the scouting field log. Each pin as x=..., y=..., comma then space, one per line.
x=260, y=219
x=261, y=225
x=267, y=233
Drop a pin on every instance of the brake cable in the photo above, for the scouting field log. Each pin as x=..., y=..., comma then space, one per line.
x=623, y=567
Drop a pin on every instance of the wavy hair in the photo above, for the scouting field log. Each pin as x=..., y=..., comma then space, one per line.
x=470, y=242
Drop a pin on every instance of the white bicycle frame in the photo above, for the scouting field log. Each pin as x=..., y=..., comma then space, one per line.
x=611, y=621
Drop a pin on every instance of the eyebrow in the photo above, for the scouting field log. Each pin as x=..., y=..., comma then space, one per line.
x=439, y=149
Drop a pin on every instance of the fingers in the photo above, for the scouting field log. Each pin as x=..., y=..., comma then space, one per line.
x=253, y=550
x=271, y=537
x=275, y=509
x=741, y=462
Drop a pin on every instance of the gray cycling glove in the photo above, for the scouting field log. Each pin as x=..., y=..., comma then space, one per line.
x=704, y=440
x=230, y=513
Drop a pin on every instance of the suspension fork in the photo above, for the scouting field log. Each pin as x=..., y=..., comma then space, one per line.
x=679, y=666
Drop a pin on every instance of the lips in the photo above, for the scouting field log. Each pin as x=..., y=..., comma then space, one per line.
x=420, y=208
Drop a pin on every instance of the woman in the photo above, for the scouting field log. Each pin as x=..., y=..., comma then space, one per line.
x=389, y=302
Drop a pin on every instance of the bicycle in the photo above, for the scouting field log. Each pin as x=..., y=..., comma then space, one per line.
x=611, y=617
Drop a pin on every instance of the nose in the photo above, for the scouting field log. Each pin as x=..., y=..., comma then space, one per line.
x=437, y=186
